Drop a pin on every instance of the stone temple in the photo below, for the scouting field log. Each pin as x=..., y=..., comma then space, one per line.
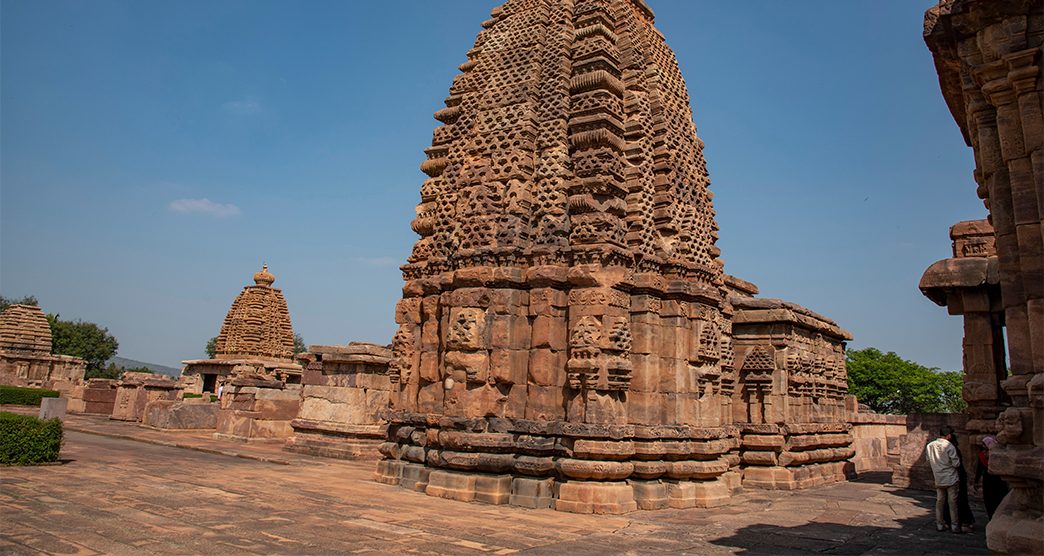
x=567, y=335
x=256, y=333
x=25, y=352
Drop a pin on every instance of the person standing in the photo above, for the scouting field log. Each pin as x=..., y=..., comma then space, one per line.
x=965, y=517
x=943, y=458
x=994, y=488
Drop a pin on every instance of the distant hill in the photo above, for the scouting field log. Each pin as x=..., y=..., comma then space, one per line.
x=133, y=364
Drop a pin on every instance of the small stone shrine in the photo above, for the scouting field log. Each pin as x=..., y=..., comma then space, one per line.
x=791, y=399
x=566, y=333
x=254, y=362
x=345, y=388
x=256, y=333
x=25, y=352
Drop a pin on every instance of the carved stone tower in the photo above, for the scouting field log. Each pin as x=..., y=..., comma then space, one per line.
x=564, y=315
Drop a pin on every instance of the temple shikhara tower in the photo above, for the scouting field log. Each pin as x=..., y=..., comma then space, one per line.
x=254, y=360
x=566, y=332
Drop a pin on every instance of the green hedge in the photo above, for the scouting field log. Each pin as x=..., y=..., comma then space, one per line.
x=27, y=440
x=189, y=395
x=18, y=395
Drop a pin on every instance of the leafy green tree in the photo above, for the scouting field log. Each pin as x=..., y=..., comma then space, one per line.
x=6, y=302
x=82, y=339
x=888, y=383
x=211, y=348
x=112, y=371
x=951, y=386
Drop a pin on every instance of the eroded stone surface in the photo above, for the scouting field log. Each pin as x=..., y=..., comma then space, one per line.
x=988, y=57
x=565, y=314
x=345, y=390
x=25, y=352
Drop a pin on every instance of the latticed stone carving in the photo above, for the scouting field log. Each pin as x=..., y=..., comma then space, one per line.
x=565, y=316
x=258, y=324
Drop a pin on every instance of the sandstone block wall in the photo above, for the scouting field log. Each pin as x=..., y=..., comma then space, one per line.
x=345, y=390
x=257, y=409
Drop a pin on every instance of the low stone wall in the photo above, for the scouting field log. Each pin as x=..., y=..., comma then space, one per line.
x=906, y=457
x=870, y=434
x=257, y=409
x=190, y=414
x=96, y=397
x=345, y=389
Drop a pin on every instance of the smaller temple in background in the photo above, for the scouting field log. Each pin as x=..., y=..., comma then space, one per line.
x=25, y=352
x=256, y=334
x=254, y=362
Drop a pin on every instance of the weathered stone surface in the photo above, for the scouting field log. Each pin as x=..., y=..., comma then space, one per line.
x=988, y=57
x=180, y=414
x=25, y=352
x=565, y=292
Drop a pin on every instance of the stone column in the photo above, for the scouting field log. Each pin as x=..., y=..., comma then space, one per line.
x=988, y=55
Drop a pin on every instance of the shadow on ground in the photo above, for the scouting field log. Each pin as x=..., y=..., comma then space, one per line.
x=834, y=533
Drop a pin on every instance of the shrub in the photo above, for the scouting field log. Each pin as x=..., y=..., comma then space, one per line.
x=27, y=440
x=188, y=395
x=17, y=395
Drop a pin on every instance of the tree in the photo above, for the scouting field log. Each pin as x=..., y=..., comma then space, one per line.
x=6, y=302
x=888, y=383
x=951, y=385
x=85, y=340
x=211, y=348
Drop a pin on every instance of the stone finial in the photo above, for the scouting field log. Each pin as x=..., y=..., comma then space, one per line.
x=25, y=328
x=264, y=277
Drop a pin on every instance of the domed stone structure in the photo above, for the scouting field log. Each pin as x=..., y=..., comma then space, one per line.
x=253, y=366
x=258, y=324
x=256, y=334
x=566, y=331
x=25, y=352
x=25, y=328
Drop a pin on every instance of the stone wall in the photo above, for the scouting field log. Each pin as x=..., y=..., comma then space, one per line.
x=257, y=409
x=135, y=390
x=871, y=433
x=191, y=413
x=906, y=456
x=345, y=389
x=95, y=397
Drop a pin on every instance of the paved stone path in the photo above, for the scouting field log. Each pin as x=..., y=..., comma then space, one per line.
x=118, y=496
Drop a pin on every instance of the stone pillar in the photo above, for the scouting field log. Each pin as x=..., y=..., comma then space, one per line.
x=988, y=56
x=345, y=391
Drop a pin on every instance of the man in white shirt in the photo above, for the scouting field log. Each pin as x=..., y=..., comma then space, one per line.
x=942, y=456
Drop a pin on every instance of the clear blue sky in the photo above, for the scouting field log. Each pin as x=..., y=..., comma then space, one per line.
x=836, y=167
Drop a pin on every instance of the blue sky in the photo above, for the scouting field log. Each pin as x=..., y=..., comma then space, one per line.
x=153, y=154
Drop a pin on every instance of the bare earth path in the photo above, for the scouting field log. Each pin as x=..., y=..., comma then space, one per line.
x=120, y=496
